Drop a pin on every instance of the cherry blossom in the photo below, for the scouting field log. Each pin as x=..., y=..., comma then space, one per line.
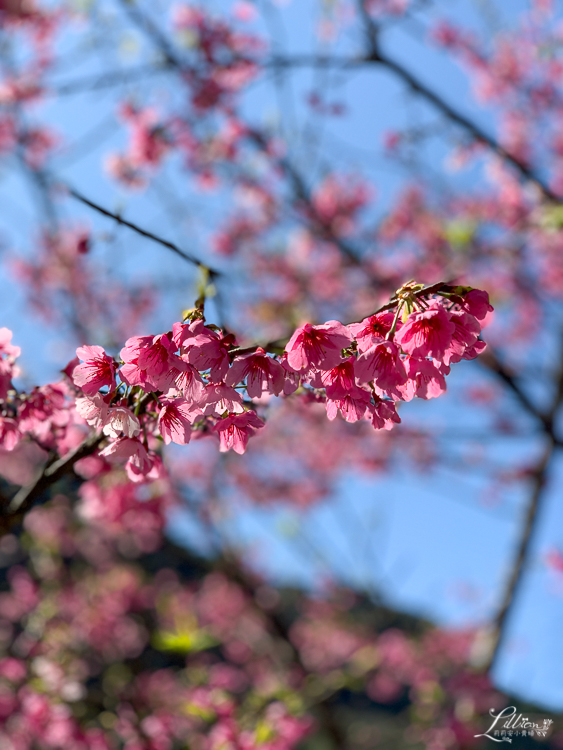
x=263, y=374
x=120, y=420
x=235, y=430
x=175, y=420
x=424, y=380
x=426, y=334
x=97, y=370
x=381, y=363
x=317, y=346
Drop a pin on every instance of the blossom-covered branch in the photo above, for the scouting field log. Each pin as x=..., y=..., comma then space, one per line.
x=194, y=381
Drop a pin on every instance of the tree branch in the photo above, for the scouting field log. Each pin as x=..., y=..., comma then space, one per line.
x=539, y=485
x=26, y=497
x=514, y=583
x=376, y=56
x=490, y=360
x=106, y=80
x=77, y=195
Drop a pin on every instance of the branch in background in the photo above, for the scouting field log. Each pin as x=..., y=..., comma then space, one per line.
x=539, y=485
x=497, y=633
x=106, y=80
x=145, y=24
x=490, y=360
x=376, y=56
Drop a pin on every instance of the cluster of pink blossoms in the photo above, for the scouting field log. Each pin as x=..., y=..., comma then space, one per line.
x=194, y=380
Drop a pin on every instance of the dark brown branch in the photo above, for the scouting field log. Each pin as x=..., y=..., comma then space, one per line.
x=539, y=484
x=468, y=125
x=77, y=195
x=490, y=360
x=277, y=346
x=26, y=497
x=376, y=56
x=514, y=583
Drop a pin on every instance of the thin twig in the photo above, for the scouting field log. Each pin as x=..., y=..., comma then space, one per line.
x=77, y=195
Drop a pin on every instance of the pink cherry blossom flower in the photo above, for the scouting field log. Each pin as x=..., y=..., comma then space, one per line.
x=180, y=331
x=145, y=471
x=352, y=404
x=383, y=415
x=6, y=347
x=139, y=461
x=262, y=373
x=175, y=421
x=97, y=370
x=133, y=348
x=467, y=329
x=424, y=380
x=207, y=350
x=477, y=303
x=125, y=447
x=475, y=350
x=340, y=380
x=371, y=330
x=317, y=346
x=188, y=381
x=149, y=362
x=155, y=358
x=220, y=398
x=426, y=334
x=382, y=364
x=121, y=421
x=93, y=410
x=235, y=430
x=292, y=380
x=69, y=369
x=45, y=410
x=10, y=435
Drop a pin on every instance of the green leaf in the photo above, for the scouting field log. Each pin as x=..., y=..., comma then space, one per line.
x=552, y=217
x=184, y=641
x=460, y=232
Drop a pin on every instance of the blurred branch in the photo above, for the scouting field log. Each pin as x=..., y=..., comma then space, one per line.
x=279, y=344
x=106, y=80
x=490, y=360
x=12, y=511
x=498, y=632
x=376, y=56
x=539, y=484
x=146, y=25
x=302, y=195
